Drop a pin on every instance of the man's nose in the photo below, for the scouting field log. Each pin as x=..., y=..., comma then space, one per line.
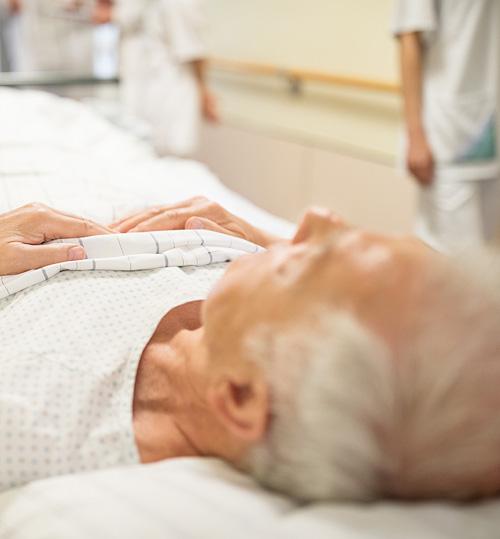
x=318, y=222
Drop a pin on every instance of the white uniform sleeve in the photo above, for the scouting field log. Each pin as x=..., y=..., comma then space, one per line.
x=185, y=24
x=414, y=16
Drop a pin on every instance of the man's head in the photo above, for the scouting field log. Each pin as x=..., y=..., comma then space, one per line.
x=352, y=365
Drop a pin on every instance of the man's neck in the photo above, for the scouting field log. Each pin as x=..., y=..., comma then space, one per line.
x=172, y=415
x=164, y=402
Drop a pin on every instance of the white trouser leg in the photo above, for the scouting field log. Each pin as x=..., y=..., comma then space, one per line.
x=458, y=214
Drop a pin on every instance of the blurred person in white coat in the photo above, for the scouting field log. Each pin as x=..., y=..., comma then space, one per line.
x=9, y=9
x=450, y=58
x=163, y=63
x=56, y=35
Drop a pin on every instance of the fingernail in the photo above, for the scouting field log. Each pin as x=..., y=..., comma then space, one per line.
x=196, y=223
x=76, y=253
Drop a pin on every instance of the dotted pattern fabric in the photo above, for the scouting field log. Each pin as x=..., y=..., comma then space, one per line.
x=70, y=352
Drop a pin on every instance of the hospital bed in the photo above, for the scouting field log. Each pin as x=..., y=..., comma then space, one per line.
x=59, y=152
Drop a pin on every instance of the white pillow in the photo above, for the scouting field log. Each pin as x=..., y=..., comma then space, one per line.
x=207, y=499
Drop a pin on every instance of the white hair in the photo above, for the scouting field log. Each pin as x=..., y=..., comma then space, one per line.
x=351, y=420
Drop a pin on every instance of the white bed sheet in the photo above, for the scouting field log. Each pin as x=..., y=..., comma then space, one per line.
x=60, y=153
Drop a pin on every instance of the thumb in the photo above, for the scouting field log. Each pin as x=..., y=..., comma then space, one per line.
x=37, y=256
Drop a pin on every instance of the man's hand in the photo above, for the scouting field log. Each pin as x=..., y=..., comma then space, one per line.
x=208, y=101
x=421, y=160
x=102, y=12
x=24, y=230
x=195, y=213
x=209, y=107
x=14, y=6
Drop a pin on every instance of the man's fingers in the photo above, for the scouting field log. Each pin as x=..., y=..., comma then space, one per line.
x=116, y=224
x=168, y=220
x=131, y=221
x=56, y=226
x=45, y=213
x=133, y=215
x=200, y=223
x=423, y=178
x=37, y=256
x=426, y=175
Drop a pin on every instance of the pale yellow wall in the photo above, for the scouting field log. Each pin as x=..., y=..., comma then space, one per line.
x=285, y=177
x=329, y=146
x=349, y=37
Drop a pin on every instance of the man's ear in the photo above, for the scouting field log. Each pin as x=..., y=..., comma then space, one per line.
x=241, y=403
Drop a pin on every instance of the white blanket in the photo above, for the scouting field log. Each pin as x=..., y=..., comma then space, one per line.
x=138, y=251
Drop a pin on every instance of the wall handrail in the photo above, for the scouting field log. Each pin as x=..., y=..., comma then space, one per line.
x=42, y=79
x=298, y=76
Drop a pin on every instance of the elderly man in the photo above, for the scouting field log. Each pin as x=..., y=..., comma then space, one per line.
x=339, y=365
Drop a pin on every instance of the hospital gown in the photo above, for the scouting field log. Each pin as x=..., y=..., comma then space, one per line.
x=71, y=346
